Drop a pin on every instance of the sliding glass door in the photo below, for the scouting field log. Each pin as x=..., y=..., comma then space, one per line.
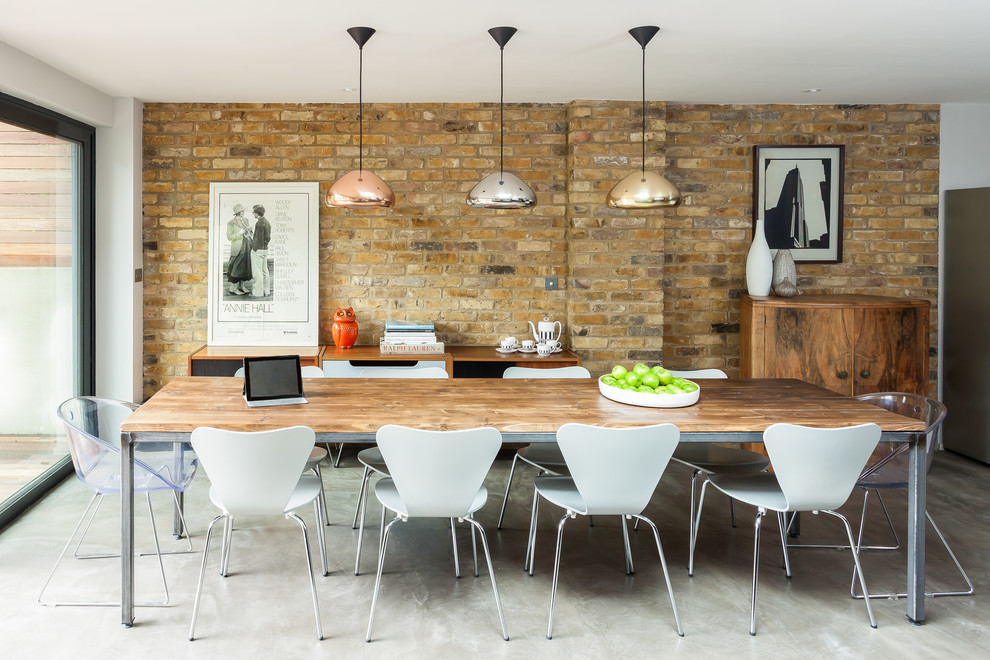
x=46, y=280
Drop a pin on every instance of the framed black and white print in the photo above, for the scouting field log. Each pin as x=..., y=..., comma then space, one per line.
x=263, y=271
x=797, y=190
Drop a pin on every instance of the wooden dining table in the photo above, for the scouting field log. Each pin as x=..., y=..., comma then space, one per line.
x=525, y=411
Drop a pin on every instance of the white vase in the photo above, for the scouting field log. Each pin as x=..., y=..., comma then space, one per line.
x=759, y=265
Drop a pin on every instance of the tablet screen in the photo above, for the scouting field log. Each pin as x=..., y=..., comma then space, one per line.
x=275, y=377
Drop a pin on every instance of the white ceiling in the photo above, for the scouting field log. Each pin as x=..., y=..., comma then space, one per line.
x=709, y=51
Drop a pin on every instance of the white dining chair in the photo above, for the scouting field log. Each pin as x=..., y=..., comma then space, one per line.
x=258, y=473
x=619, y=482
x=371, y=458
x=319, y=454
x=544, y=456
x=711, y=458
x=92, y=431
x=420, y=486
x=814, y=469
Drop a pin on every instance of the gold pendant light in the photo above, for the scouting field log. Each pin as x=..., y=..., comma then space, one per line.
x=360, y=189
x=501, y=190
x=643, y=190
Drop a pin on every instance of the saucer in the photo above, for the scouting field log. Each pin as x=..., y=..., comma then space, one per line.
x=506, y=350
x=557, y=350
x=527, y=350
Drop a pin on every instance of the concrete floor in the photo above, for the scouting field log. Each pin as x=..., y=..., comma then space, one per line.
x=264, y=607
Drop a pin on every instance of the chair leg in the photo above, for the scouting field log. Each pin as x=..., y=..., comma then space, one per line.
x=474, y=549
x=630, y=569
x=666, y=573
x=228, y=530
x=321, y=538
x=378, y=576
x=859, y=567
x=453, y=536
x=508, y=485
x=491, y=571
x=783, y=542
x=531, y=545
x=756, y=571
x=323, y=496
x=932, y=594
x=556, y=570
x=340, y=451
x=202, y=576
x=362, y=497
x=309, y=564
x=359, y=516
x=693, y=539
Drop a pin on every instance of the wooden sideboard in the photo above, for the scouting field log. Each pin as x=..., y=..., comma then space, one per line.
x=459, y=361
x=851, y=344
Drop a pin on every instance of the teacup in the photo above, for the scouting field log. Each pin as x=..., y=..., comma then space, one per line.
x=528, y=345
x=509, y=343
x=543, y=349
x=553, y=344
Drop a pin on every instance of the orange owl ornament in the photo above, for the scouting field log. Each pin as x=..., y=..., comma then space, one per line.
x=345, y=327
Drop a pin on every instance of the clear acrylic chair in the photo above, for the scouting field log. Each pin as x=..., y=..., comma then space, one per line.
x=618, y=482
x=815, y=469
x=891, y=472
x=710, y=458
x=371, y=458
x=92, y=428
x=420, y=486
x=544, y=456
x=258, y=473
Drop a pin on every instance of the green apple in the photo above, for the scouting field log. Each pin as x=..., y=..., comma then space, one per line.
x=641, y=368
x=649, y=379
x=666, y=378
x=633, y=378
x=645, y=389
x=611, y=381
x=618, y=371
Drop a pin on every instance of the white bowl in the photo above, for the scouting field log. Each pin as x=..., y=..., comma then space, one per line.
x=648, y=399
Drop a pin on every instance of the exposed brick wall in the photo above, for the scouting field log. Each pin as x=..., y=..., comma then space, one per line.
x=630, y=282
x=890, y=213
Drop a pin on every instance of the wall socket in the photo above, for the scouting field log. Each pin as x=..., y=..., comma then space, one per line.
x=550, y=283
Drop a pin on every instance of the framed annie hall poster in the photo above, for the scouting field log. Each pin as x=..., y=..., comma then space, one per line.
x=263, y=271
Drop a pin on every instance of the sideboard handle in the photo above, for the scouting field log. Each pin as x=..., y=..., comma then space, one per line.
x=865, y=373
x=843, y=374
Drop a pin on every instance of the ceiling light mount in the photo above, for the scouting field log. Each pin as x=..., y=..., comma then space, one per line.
x=643, y=190
x=360, y=188
x=501, y=190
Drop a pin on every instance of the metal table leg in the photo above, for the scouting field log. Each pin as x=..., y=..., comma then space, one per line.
x=127, y=530
x=916, y=530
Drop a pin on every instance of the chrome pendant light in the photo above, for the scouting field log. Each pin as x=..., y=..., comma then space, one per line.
x=643, y=190
x=360, y=189
x=501, y=190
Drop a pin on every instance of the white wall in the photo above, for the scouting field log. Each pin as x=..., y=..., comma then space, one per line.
x=964, y=145
x=118, y=209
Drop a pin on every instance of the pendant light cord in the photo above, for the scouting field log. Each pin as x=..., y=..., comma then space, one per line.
x=643, y=134
x=361, y=110
x=501, y=103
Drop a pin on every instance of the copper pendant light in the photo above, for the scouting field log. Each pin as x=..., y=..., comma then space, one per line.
x=643, y=190
x=360, y=189
x=501, y=190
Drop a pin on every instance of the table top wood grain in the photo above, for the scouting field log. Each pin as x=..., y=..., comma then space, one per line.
x=343, y=409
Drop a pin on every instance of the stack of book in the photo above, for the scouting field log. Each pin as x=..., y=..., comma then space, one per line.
x=402, y=337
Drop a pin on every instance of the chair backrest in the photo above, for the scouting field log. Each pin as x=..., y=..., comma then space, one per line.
x=817, y=468
x=617, y=470
x=254, y=472
x=915, y=406
x=404, y=372
x=438, y=473
x=307, y=371
x=92, y=428
x=700, y=373
x=555, y=372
